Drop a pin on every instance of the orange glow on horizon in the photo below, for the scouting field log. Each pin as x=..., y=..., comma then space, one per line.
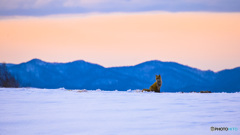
x=202, y=40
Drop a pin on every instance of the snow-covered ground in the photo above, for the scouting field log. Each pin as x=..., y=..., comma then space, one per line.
x=30, y=111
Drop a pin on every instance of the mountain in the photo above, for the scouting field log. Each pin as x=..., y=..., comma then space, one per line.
x=228, y=80
x=176, y=77
x=84, y=75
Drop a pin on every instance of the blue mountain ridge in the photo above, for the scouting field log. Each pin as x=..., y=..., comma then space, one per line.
x=84, y=75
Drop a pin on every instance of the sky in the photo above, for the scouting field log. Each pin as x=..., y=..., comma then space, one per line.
x=198, y=33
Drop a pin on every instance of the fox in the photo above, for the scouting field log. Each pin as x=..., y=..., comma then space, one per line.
x=156, y=86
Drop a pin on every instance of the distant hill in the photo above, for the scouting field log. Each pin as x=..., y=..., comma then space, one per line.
x=85, y=75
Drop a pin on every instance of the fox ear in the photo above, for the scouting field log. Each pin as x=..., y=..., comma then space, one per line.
x=156, y=75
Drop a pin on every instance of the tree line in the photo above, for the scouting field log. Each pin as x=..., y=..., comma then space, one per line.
x=6, y=78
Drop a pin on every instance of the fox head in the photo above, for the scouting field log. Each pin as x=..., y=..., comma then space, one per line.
x=158, y=77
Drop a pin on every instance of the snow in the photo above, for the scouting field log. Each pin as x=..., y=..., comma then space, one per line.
x=31, y=111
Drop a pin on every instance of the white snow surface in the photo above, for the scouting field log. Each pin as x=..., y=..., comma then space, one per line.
x=32, y=111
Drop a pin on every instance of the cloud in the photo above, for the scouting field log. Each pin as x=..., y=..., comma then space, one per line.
x=23, y=4
x=82, y=3
x=41, y=3
x=46, y=7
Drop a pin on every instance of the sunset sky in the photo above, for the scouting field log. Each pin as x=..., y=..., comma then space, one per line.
x=198, y=33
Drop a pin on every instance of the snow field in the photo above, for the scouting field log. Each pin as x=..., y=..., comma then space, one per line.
x=25, y=111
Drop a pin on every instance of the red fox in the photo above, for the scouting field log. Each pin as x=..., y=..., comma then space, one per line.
x=156, y=86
